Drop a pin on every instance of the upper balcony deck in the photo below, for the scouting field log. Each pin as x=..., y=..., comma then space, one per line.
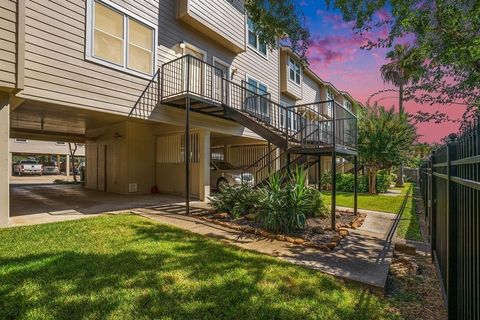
x=313, y=128
x=221, y=20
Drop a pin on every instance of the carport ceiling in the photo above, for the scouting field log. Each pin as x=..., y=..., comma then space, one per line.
x=32, y=118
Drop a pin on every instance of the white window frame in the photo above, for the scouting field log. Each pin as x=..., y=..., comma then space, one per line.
x=348, y=105
x=89, y=55
x=295, y=64
x=247, y=77
x=256, y=49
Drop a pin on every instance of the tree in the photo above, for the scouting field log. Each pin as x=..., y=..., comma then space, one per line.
x=384, y=140
x=72, y=151
x=397, y=74
x=279, y=19
x=444, y=38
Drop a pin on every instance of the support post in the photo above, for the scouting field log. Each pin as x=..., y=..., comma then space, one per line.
x=204, y=167
x=319, y=173
x=288, y=163
x=187, y=140
x=334, y=189
x=4, y=163
x=67, y=166
x=187, y=156
x=452, y=251
x=355, y=185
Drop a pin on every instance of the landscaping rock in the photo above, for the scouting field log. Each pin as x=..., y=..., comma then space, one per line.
x=220, y=215
x=318, y=230
x=250, y=216
x=280, y=237
x=299, y=241
x=336, y=238
x=405, y=248
x=331, y=245
x=343, y=232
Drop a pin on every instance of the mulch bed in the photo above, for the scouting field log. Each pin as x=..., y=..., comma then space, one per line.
x=318, y=233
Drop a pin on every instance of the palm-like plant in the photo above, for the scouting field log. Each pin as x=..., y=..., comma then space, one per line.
x=399, y=74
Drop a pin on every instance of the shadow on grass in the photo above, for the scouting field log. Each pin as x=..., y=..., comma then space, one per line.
x=146, y=270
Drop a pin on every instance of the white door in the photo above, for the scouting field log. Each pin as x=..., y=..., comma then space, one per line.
x=222, y=70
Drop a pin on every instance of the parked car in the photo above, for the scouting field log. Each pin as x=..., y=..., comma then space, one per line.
x=224, y=173
x=24, y=167
x=51, y=168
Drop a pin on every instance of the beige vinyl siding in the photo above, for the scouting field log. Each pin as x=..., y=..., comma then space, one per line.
x=171, y=32
x=8, y=22
x=55, y=66
x=288, y=87
x=56, y=70
x=311, y=90
x=218, y=19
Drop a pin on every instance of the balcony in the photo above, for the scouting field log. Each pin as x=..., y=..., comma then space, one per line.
x=315, y=128
x=221, y=20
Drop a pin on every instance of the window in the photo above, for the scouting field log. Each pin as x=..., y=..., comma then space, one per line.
x=60, y=143
x=18, y=140
x=253, y=40
x=258, y=104
x=119, y=40
x=294, y=71
x=348, y=105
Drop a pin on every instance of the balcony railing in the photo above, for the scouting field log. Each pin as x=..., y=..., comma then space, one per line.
x=313, y=126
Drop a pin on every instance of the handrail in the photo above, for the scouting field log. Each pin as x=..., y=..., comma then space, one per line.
x=193, y=76
x=143, y=92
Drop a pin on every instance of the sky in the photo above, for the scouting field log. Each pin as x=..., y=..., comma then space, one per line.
x=335, y=55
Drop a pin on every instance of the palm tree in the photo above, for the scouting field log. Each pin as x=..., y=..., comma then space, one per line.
x=397, y=74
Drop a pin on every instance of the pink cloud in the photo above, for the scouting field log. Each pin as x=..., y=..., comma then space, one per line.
x=334, y=48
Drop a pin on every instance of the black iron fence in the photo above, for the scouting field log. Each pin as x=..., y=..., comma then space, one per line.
x=450, y=188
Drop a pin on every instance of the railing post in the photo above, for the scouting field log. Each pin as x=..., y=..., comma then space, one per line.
x=334, y=189
x=162, y=82
x=452, y=247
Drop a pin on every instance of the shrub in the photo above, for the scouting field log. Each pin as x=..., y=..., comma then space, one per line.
x=286, y=207
x=345, y=181
x=384, y=180
x=235, y=200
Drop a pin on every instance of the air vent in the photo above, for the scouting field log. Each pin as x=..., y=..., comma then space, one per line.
x=132, y=187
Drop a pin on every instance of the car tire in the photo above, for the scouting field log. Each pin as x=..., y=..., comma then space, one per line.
x=221, y=182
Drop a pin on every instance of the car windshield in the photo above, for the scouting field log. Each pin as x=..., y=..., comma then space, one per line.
x=28, y=162
x=222, y=165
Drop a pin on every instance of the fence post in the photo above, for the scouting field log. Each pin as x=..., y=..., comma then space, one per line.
x=431, y=200
x=452, y=247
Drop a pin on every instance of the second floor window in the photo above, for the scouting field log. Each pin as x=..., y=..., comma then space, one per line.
x=119, y=40
x=294, y=71
x=348, y=105
x=253, y=40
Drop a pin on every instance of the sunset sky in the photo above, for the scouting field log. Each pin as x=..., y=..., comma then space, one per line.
x=335, y=55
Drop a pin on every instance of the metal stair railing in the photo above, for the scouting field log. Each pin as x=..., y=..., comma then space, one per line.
x=313, y=125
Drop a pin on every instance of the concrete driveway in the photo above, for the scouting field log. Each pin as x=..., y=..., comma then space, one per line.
x=44, y=203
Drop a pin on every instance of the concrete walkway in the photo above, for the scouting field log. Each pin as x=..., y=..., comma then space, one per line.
x=363, y=257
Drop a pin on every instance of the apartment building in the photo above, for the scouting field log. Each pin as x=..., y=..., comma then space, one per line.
x=127, y=77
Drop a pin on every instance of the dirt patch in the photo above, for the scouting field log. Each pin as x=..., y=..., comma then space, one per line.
x=414, y=289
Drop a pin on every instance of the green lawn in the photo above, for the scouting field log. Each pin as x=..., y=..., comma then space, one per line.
x=128, y=267
x=408, y=227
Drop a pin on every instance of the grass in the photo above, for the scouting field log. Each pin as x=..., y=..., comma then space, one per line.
x=408, y=227
x=128, y=267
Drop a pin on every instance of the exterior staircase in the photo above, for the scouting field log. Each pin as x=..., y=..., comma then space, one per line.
x=324, y=127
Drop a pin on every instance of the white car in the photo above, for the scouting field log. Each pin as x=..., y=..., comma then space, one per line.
x=28, y=167
x=224, y=173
